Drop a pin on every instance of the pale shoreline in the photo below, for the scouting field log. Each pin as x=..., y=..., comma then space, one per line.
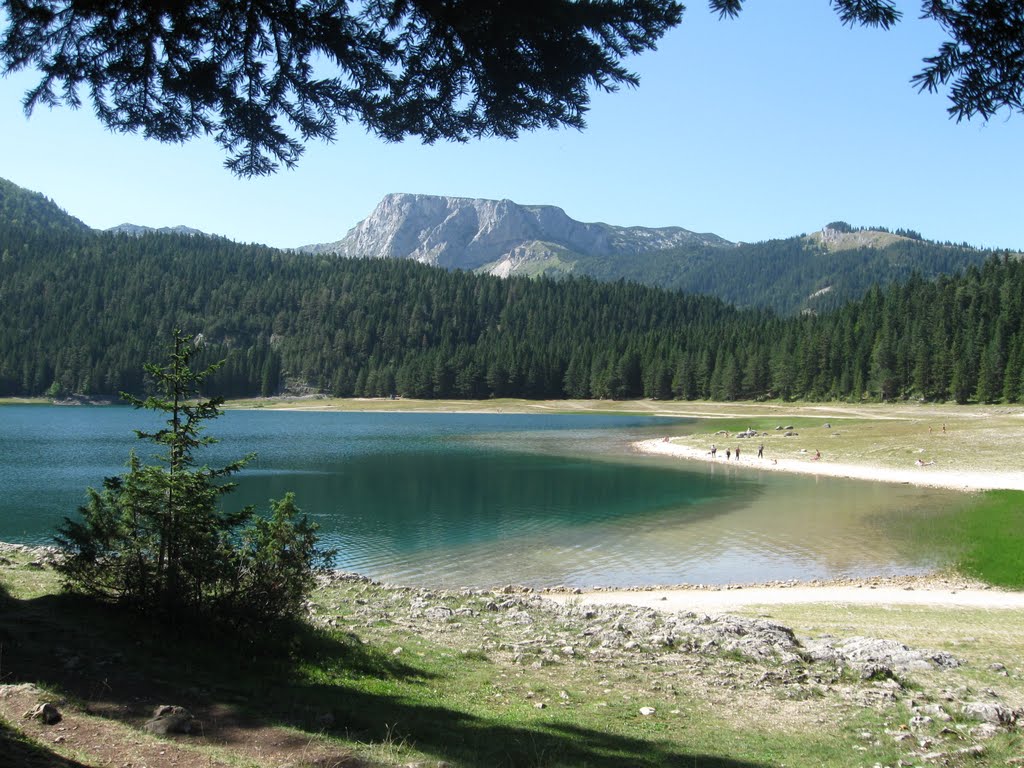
x=927, y=475
x=726, y=599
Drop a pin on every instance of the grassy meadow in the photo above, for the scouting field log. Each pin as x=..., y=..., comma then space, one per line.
x=376, y=680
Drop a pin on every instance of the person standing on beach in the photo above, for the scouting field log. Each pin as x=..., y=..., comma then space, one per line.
x=737, y=453
x=760, y=451
x=728, y=454
x=714, y=450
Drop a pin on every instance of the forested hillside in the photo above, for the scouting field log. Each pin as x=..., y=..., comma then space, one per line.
x=80, y=311
x=788, y=276
x=26, y=215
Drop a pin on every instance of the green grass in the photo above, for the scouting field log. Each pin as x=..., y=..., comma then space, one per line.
x=768, y=424
x=16, y=749
x=453, y=695
x=992, y=533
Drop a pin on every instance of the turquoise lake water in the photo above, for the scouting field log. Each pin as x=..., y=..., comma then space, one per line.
x=479, y=500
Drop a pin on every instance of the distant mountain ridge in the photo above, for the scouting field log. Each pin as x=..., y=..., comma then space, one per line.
x=805, y=273
x=137, y=230
x=815, y=272
x=496, y=236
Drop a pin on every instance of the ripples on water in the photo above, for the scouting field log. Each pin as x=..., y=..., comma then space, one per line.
x=478, y=500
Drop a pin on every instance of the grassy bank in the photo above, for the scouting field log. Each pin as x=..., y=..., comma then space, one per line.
x=954, y=438
x=392, y=677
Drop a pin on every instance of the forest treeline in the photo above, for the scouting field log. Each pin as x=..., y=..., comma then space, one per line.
x=80, y=312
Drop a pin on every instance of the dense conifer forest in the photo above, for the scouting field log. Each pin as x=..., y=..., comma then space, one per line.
x=790, y=275
x=80, y=312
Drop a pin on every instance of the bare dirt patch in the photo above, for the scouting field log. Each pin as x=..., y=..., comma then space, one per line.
x=108, y=733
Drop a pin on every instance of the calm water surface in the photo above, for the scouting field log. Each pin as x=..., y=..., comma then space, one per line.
x=478, y=500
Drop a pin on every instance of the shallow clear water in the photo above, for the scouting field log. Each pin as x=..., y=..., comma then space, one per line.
x=457, y=499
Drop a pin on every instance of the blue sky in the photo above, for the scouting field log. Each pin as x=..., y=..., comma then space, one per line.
x=766, y=126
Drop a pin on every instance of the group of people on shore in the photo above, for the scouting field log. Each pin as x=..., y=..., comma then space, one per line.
x=729, y=452
x=760, y=453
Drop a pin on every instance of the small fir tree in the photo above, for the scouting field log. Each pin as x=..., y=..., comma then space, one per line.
x=156, y=538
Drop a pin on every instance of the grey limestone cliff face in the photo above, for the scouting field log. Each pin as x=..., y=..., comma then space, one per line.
x=499, y=235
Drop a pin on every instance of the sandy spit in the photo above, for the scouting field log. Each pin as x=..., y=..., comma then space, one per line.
x=916, y=475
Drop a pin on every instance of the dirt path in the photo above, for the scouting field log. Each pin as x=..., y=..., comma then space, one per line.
x=729, y=599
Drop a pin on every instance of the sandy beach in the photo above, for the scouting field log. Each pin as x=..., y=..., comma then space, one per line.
x=926, y=475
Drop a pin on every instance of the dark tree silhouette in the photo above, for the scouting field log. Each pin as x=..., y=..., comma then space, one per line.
x=982, y=62
x=263, y=77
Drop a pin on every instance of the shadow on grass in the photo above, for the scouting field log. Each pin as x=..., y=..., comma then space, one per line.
x=101, y=654
x=315, y=681
x=469, y=740
x=18, y=752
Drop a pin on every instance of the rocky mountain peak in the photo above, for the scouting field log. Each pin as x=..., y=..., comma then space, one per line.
x=844, y=238
x=498, y=236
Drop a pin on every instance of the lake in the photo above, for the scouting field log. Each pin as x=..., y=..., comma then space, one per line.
x=444, y=499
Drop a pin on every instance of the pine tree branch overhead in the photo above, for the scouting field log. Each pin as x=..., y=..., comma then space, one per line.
x=264, y=77
x=983, y=61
